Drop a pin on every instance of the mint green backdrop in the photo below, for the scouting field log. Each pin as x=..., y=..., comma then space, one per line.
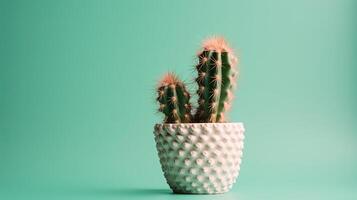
x=77, y=102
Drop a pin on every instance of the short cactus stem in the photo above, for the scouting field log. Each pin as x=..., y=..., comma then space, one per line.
x=174, y=100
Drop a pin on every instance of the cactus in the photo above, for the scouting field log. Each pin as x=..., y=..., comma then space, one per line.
x=174, y=100
x=216, y=79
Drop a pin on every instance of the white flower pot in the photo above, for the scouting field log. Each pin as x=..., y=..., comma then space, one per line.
x=200, y=158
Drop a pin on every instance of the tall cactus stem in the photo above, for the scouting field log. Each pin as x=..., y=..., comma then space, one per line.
x=216, y=80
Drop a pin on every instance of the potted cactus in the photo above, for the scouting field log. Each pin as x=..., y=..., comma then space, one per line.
x=199, y=151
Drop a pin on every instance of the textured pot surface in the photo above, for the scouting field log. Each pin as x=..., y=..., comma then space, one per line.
x=200, y=158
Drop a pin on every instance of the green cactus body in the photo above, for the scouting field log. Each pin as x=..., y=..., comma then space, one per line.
x=216, y=78
x=174, y=100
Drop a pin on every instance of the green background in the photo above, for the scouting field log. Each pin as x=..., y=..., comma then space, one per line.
x=77, y=104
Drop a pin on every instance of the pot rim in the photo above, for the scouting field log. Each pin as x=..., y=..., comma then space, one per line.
x=201, y=125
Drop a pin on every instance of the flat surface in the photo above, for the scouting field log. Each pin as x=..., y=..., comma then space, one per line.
x=77, y=105
x=249, y=193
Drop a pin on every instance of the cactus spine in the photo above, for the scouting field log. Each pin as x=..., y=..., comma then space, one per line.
x=216, y=78
x=174, y=100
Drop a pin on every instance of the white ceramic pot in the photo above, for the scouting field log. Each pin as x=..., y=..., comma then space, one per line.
x=200, y=158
